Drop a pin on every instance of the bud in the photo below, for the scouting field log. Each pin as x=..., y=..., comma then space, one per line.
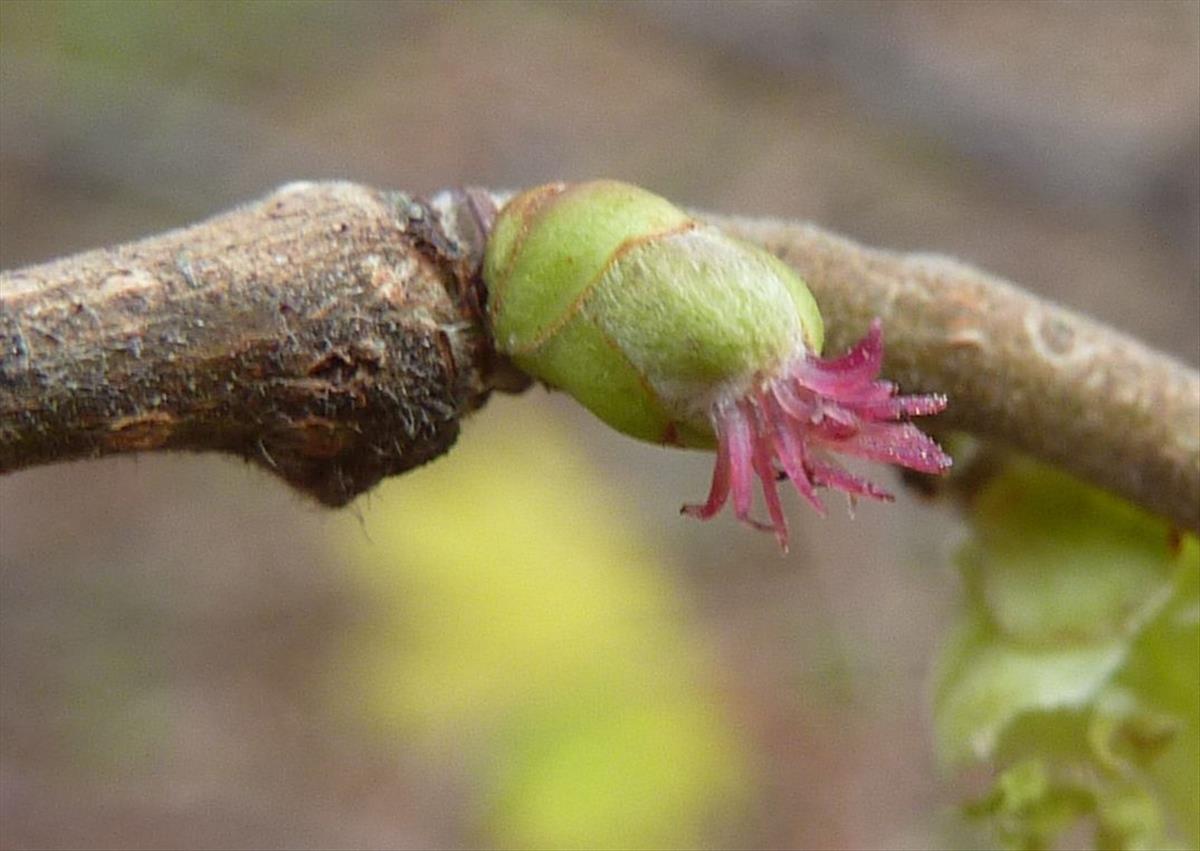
x=673, y=332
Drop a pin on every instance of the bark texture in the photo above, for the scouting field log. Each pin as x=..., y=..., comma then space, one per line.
x=329, y=333
x=1033, y=374
x=334, y=334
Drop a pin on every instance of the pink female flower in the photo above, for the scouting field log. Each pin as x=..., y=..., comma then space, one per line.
x=789, y=423
x=673, y=332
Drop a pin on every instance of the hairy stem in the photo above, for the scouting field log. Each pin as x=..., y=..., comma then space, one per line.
x=333, y=334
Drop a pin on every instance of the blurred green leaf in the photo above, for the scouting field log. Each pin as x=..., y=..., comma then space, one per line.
x=1074, y=670
x=517, y=613
x=231, y=47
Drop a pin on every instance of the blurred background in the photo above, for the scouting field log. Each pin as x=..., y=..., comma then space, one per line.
x=523, y=644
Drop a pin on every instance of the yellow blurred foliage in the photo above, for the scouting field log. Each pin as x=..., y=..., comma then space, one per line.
x=516, y=611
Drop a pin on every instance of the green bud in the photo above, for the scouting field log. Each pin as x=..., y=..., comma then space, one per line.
x=673, y=332
x=638, y=310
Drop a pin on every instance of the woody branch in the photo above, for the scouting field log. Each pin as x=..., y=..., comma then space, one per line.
x=333, y=334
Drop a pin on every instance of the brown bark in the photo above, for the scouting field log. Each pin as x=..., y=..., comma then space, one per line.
x=329, y=333
x=1032, y=374
x=333, y=334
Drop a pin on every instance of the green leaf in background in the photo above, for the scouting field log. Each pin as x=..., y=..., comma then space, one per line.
x=519, y=623
x=1075, y=670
